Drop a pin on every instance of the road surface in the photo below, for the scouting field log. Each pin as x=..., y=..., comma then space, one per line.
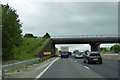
x=75, y=68
x=70, y=68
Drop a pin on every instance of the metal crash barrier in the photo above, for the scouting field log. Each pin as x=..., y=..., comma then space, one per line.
x=17, y=65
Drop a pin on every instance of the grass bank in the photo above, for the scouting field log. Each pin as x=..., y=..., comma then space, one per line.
x=28, y=49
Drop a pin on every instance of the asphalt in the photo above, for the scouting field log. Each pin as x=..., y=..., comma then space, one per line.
x=109, y=68
x=75, y=68
x=69, y=68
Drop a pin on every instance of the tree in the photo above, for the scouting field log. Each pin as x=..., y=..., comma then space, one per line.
x=46, y=35
x=11, y=31
x=115, y=48
x=103, y=49
x=86, y=51
x=75, y=51
x=28, y=35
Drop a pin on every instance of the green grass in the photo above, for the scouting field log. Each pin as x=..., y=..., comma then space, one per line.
x=29, y=48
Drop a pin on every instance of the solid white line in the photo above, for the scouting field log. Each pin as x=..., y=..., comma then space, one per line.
x=46, y=69
x=86, y=67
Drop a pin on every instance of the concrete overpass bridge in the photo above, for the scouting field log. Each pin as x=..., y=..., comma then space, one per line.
x=93, y=40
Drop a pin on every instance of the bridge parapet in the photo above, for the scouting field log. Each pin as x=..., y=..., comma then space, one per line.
x=85, y=36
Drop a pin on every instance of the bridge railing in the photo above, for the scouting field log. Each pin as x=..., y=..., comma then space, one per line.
x=84, y=36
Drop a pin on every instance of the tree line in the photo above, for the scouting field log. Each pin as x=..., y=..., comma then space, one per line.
x=115, y=49
x=29, y=35
x=11, y=32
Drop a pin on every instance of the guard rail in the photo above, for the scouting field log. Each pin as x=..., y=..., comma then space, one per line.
x=18, y=64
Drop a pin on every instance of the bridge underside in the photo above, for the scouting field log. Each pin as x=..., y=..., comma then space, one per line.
x=93, y=42
x=84, y=40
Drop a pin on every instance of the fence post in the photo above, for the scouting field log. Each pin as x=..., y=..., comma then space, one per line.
x=18, y=68
x=3, y=74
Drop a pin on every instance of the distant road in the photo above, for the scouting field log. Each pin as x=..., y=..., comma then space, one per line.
x=75, y=68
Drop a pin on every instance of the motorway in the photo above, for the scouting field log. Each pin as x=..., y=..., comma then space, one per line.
x=75, y=68
x=70, y=68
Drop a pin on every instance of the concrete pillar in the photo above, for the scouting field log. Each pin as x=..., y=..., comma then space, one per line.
x=53, y=46
x=53, y=49
x=95, y=46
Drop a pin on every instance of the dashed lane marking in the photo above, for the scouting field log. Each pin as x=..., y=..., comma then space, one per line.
x=86, y=67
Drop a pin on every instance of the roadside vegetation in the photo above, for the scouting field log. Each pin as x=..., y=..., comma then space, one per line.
x=113, y=49
x=16, y=46
x=11, y=32
x=28, y=49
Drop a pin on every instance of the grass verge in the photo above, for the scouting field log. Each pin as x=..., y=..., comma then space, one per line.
x=28, y=49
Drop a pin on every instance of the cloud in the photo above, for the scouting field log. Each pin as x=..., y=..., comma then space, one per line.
x=77, y=18
x=67, y=18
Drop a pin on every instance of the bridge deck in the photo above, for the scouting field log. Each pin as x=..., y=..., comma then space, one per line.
x=86, y=40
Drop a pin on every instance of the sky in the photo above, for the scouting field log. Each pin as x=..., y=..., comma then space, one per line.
x=68, y=17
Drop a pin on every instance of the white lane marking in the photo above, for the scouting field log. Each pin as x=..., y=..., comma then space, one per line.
x=86, y=67
x=46, y=69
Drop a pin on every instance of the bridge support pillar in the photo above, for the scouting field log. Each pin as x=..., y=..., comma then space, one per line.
x=95, y=46
x=53, y=49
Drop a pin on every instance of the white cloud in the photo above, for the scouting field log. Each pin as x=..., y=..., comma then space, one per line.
x=61, y=17
x=69, y=18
